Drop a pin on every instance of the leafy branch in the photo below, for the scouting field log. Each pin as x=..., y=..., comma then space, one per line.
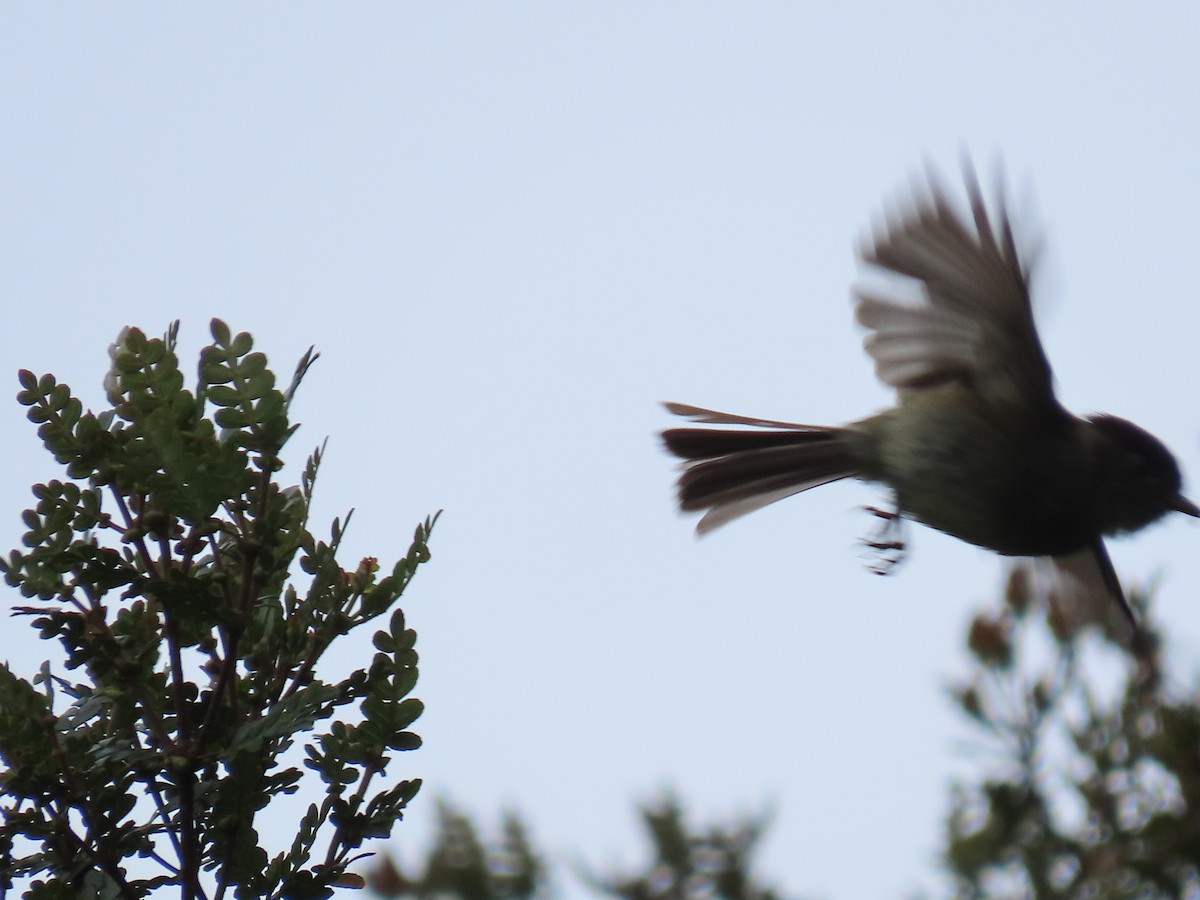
x=163, y=564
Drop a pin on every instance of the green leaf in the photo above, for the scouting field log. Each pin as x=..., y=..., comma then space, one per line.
x=295, y=713
x=405, y=740
x=220, y=332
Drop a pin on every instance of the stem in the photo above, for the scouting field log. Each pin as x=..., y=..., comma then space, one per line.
x=108, y=866
x=156, y=795
x=189, y=861
x=139, y=543
x=97, y=827
x=372, y=769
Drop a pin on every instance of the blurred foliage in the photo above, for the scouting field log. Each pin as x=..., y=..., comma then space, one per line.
x=712, y=863
x=163, y=565
x=1089, y=788
x=460, y=865
x=1095, y=788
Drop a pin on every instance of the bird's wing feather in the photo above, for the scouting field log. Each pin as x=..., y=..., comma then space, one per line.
x=975, y=324
x=1084, y=589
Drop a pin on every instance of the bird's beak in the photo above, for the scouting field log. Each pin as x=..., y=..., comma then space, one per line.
x=1182, y=504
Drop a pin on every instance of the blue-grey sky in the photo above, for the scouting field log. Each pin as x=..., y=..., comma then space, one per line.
x=511, y=229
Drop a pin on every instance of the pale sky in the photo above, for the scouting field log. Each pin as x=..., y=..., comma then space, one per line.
x=512, y=229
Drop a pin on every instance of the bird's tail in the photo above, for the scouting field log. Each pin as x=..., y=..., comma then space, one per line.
x=729, y=473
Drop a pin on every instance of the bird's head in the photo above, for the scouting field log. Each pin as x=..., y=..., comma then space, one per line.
x=1137, y=477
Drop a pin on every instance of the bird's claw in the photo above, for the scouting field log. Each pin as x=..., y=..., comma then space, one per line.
x=886, y=544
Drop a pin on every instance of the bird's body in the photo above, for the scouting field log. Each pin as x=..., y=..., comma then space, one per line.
x=946, y=456
x=977, y=445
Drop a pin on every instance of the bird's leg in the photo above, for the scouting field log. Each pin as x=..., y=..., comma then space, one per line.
x=886, y=543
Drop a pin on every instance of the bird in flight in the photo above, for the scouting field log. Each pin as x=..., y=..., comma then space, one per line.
x=976, y=445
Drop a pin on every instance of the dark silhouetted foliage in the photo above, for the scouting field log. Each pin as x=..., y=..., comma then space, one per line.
x=1095, y=792
x=164, y=565
x=460, y=864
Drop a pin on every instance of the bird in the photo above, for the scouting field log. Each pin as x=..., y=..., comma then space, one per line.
x=976, y=445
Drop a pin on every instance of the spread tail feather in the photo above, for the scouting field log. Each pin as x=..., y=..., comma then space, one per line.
x=730, y=473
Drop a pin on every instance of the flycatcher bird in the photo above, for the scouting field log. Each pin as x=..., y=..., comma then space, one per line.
x=977, y=445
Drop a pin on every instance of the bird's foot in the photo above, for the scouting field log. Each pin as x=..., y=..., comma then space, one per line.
x=885, y=545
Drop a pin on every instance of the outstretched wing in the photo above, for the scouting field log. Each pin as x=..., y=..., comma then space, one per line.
x=974, y=325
